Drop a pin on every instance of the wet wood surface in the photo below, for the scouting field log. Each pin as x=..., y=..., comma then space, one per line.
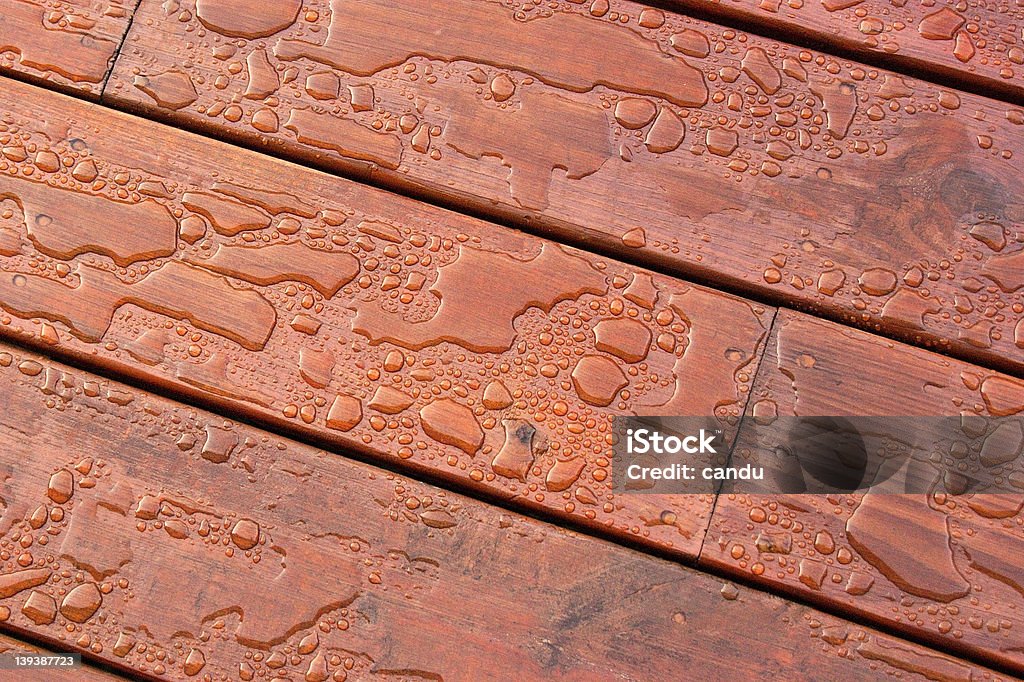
x=977, y=45
x=487, y=359
x=433, y=341
x=858, y=193
x=943, y=566
x=67, y=45
x=171, y=543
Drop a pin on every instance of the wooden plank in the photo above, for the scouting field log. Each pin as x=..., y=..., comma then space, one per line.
x=211, y=549
x=416, y=336
x=10, y=645
x=801, y=178
x=975, y=47
x=69, y=46
x=943, y=567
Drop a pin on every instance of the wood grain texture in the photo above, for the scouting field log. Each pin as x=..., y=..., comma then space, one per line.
x=425, y=338
x=855, y=192
x=978, y=45
x=66, y=45
x=86, y=673
x=178, y=545
x=943, y=566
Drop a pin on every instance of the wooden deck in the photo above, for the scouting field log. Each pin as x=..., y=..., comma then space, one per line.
x=775, y=171
x=395, y=576
x=315, y=318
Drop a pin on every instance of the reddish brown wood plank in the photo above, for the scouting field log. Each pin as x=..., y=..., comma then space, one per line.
x=863, y=194
x=978, y=45
x=940, y=566
x=179, y=545
x=68, y=45
x=10, y=645
x=425, y=338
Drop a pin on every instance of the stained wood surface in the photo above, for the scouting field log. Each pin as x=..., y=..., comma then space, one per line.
x=858, y=193
x=974, y=45
x=941, y=566
x=428, y=339
x=85, y=672
x=176, y=544
x=490, y=360
x=68, y=45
